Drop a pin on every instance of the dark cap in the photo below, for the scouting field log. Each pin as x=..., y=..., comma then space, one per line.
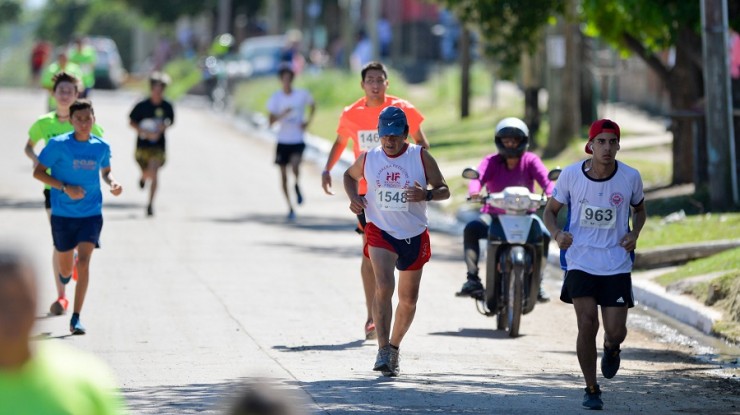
x=392, y=121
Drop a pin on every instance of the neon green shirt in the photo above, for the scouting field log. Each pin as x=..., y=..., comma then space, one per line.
x=85, y=58
x=48, y=126
x=60, y=380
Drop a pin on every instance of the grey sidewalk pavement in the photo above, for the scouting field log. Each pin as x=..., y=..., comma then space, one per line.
x=640, y=130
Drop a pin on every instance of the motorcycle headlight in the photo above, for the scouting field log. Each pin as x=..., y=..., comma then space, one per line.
x=517, y=202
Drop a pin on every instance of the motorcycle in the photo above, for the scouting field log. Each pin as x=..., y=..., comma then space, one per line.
x=515, y=255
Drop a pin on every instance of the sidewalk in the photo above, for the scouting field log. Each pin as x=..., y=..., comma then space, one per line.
x=641, y=130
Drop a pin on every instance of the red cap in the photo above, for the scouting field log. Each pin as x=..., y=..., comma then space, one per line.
x=601, y=126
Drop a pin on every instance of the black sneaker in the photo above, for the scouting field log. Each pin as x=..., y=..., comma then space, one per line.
x=149, y=210
x=610, y=362
x=592, y=398
x=471, y=287
x=393, y=363
x=141, y=183
x=298, y=195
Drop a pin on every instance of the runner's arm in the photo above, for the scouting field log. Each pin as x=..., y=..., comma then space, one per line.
x=439, y=190
x=115, y=188
x=420, y=138
x=639, y=217
x=352, y=177
x=336, y=151
x=30, y=153
x=550, y=217
x=39, y=173
x=311, y=111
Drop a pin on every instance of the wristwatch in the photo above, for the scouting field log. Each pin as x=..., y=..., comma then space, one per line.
x=64, y=188
x=430, y=195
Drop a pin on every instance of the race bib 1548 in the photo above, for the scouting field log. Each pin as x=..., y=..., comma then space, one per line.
x=391, y=199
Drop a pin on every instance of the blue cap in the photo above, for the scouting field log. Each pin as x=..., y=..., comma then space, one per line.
x=392, y=121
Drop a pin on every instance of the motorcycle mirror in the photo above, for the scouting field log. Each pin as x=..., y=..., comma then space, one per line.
x=554, y=174
x=470, y=173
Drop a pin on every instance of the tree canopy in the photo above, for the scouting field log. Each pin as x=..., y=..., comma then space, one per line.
x=169, y=11
x=10, y=10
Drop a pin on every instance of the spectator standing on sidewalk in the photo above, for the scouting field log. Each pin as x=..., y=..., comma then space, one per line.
x=597, y=248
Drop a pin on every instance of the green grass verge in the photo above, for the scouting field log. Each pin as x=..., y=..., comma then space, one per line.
x=707, y=227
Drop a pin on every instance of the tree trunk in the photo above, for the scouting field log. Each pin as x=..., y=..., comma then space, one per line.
x=464, y=72
x=686, y=89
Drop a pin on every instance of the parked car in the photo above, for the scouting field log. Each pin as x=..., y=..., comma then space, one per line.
x=263, y=54
x=109, y=71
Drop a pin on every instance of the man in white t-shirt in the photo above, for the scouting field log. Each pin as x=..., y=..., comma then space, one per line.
x=288, y=107
x=598, y=248
x=401, y=179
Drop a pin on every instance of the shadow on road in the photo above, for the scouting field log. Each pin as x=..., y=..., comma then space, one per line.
x=356, y=344
x=477, y=333
x=305, y=222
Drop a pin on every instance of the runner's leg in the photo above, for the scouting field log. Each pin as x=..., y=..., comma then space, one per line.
x=408, y=294
x=84, y=251
x=587, y=316
x=383, y=264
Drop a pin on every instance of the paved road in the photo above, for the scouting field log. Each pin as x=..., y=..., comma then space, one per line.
x=217, y=287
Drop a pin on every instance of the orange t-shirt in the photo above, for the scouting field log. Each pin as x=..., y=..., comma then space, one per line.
x=360, y=123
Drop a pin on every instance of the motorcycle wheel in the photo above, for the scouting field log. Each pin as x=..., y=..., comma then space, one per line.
x=515, y=298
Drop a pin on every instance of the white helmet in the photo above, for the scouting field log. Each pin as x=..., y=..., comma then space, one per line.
x=512, y=127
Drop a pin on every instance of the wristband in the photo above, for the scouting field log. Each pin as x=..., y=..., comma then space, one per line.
x=64, y=188
x=429, y=196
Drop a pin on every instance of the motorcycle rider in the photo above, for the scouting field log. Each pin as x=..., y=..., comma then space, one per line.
x=513, y=165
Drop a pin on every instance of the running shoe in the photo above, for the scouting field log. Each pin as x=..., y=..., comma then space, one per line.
x=149, y=210
x=542, y=296
x=610, y=362
x=370, y=332
x=291, y=215
x=383, y=360
x=471, y=287
x=394, y=368
x=75, y=327
x=59, y=306
x=298, y=195
x=592, y=398
x=141, y=183
x=74, y=267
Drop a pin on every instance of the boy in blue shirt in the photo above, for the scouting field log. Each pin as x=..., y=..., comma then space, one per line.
x=76, y=199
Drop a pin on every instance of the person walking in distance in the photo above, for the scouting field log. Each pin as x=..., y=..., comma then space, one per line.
x=75, y=160
x=513, y=165
x=43, y=129
x=288, y=108
x=150, y=118
x=359, y=122
x=401, y=178
x=597, y=248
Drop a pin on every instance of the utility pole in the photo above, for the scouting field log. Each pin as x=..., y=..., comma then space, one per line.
x=720, y=135
x=224, y=16
x=464, y=50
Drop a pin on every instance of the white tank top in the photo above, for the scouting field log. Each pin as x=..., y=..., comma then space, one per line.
x=387, y=179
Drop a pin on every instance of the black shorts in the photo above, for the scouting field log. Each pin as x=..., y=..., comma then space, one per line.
x=361, y=223
x=47, y=198
x=285, y=152
x=608, y=290
x=67, y=233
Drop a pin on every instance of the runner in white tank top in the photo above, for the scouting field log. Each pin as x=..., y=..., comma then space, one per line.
x=399, y=176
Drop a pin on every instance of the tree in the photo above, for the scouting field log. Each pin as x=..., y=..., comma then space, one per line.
x=169, y=11
x=646, y=27
x=10, y=10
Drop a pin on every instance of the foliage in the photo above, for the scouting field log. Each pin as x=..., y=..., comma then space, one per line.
x=59, y=20
x=169, y=11
x=111, y=20
x=10, y=10
x=509, y=28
